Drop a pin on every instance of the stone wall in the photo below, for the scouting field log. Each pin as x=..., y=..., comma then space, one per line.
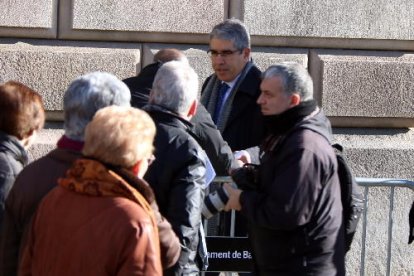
x=359, y=53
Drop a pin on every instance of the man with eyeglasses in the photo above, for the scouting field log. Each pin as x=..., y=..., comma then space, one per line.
x=230, y=96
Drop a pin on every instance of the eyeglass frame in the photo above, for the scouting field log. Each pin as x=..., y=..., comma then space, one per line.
x=224, y=54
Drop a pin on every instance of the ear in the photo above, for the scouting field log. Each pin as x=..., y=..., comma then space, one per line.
x=138, y=169
x=193, y=109
x=294, y=99
x=29, y=133
x=150, y=96
x=246, y=53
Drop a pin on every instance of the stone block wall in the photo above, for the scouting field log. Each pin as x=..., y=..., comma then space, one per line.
x=359, y=53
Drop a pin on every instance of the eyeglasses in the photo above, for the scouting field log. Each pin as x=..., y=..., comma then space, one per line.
x=151, y=159
x=224, y=54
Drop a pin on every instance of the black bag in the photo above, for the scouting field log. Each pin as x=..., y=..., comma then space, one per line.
x=351, y=195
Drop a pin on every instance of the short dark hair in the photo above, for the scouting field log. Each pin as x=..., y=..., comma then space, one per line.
x=21, y=109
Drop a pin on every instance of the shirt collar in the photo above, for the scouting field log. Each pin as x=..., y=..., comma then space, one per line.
x=233, y=82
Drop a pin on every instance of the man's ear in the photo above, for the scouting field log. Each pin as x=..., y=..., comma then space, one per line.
x=246, y=53
x=294, y=99
x=193, y=109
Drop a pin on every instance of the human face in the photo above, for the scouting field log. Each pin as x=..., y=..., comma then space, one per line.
x=272, y=99
x=228, y=67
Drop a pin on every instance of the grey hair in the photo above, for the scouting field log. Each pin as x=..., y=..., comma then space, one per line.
x=295, y=79
x=233, y=30
x=175, y=87
x=86, y=95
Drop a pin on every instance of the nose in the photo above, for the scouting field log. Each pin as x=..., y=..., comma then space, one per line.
x=219, y=59
x=260, y=99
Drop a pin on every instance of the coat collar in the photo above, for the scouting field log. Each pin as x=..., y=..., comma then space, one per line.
x=12, y=145
x=167, y=116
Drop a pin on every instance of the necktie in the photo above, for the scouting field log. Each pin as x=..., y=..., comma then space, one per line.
x=220, y=100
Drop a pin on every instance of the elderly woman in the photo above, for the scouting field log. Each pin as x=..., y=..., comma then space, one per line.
x=98, y=220
x=21, y=116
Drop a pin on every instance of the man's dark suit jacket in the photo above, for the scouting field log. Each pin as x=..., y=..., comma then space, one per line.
x=244, y=127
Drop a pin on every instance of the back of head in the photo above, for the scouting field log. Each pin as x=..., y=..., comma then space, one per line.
x=21, y=110
x=86, y=95
x=129, y=134
x=141, y=85
x=175, y=87
x=234, y=30
x=169, y=54
x=295, y=79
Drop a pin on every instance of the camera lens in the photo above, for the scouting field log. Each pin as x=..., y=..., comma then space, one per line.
x=215, y=202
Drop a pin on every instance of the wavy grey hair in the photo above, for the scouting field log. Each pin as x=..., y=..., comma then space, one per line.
x=295, y=79
x=175, y=87
x=233, y=30
x=86, y=95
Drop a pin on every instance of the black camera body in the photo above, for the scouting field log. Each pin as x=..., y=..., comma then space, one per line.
x=246, y=178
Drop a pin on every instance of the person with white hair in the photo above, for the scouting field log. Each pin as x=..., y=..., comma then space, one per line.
x=178, y=174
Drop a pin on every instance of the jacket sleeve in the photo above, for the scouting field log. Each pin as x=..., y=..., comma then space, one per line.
x=184, y=208
x=169, y=243
x=10, y=238
x=210, y=139
x=139, y=258
x=6, y=181
x=287, y=199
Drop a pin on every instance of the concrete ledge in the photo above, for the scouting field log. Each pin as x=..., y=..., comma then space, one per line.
x=49, y=66
x=334, y=43
x=365, y=84
x=50, y=33
x=352, y=121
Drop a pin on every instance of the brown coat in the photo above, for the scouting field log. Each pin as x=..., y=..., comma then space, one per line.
x=104, y=236
x=32, y=184
x=94, y=223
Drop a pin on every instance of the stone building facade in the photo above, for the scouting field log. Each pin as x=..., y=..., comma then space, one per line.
x=359, y=53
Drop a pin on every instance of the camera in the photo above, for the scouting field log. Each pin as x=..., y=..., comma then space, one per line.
x=245, y=178
x=214, y=202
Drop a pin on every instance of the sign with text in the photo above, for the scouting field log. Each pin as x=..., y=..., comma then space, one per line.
x=229, y=254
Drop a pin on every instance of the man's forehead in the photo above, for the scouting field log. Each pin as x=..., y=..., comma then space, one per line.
x=221, y=43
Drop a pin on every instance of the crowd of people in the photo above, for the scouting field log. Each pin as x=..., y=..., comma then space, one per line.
x=123, y=191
